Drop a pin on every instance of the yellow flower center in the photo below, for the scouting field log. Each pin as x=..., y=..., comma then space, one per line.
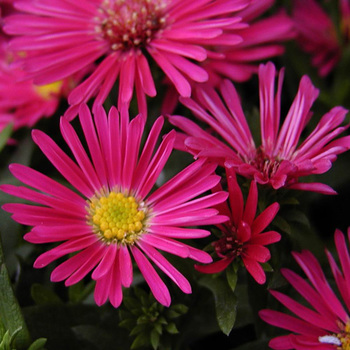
x=130, y=23
x=49, y=90
x=117, y=218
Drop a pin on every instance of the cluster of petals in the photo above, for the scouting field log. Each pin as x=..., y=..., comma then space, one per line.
x=262, y=38
x=318, y=35
x=279, y=161
x=60, y=38
x=21, y=102
x=242, y=235
x=116, y=162
x=325, y=323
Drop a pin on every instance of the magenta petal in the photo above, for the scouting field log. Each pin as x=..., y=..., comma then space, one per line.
x=157, y=286
x=214, y=267
x=125, y=266
x=102, y=288
x=106, y=262
x=255, y=269
x=265, y=218
x=166, y=267
x=73, y=264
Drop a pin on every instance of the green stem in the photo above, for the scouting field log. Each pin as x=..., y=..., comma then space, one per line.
x=10, y=312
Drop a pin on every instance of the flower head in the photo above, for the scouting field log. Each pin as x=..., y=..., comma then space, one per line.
x=325, y=323
x=242, y=235
x=62, y=38
x=318, y=35
x=279, y=161
x=112, y=216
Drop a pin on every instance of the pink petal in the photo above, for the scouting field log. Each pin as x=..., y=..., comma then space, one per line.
x=157, y=286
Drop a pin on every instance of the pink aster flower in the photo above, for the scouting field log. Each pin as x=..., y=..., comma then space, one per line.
x=23, y=103
x=280, y=160
x=242, y=235
x=324, y=323
x=113, y=217
x=61, y=38
x=317, y=34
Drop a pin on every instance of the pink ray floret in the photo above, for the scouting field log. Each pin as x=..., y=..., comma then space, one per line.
x=323, y=323
x=112, y=216
x=318, y=35
x=242, y=235
x=281, y=159
x=61, y=38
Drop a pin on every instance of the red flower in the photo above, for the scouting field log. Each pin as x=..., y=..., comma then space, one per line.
x=242, y=235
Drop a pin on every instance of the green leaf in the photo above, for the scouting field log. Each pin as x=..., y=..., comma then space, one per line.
x=141, y=340
x=43, y=295
x=225, y=302
x=154, y=339
x=267, y=267
x=38, y=344
x=231, y=275
x=10, y=312
x=5, y=135
x=171, y=328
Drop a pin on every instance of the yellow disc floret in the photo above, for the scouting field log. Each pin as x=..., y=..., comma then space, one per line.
x=49, y=90
x=117, y=218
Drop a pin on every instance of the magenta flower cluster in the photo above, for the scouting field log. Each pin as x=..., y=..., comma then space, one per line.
x=113, y=210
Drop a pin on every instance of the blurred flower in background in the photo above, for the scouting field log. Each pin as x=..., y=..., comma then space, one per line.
x=319, y=36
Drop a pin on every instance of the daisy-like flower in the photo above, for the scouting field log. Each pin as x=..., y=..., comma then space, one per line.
x=279, y=161
x=113, y=216
x=319, y=36
x=243, y=236
x=262, y=39
x=61, y=38
x=324, y=324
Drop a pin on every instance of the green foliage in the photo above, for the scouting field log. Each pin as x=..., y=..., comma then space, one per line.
x=150, y=323
x=10, y=312
x=225, y=302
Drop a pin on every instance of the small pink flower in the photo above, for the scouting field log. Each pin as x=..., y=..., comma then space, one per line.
x=325, y=323
x=60, y=39
x=242, y=235
x=279, y=161
x=112, y=216
x=317, y=34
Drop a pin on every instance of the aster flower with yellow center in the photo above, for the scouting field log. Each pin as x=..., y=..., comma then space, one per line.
x=112, y=216
x=62, y=38
x=323, y=324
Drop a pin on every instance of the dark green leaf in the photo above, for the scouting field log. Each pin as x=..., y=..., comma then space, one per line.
x=10, y=313
x=171, y=328
x=141, y=340
x=154, y=339
x=225, y=302
x=231, y=275
x=43, y=295
x=5, y=135
x=38, y=344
